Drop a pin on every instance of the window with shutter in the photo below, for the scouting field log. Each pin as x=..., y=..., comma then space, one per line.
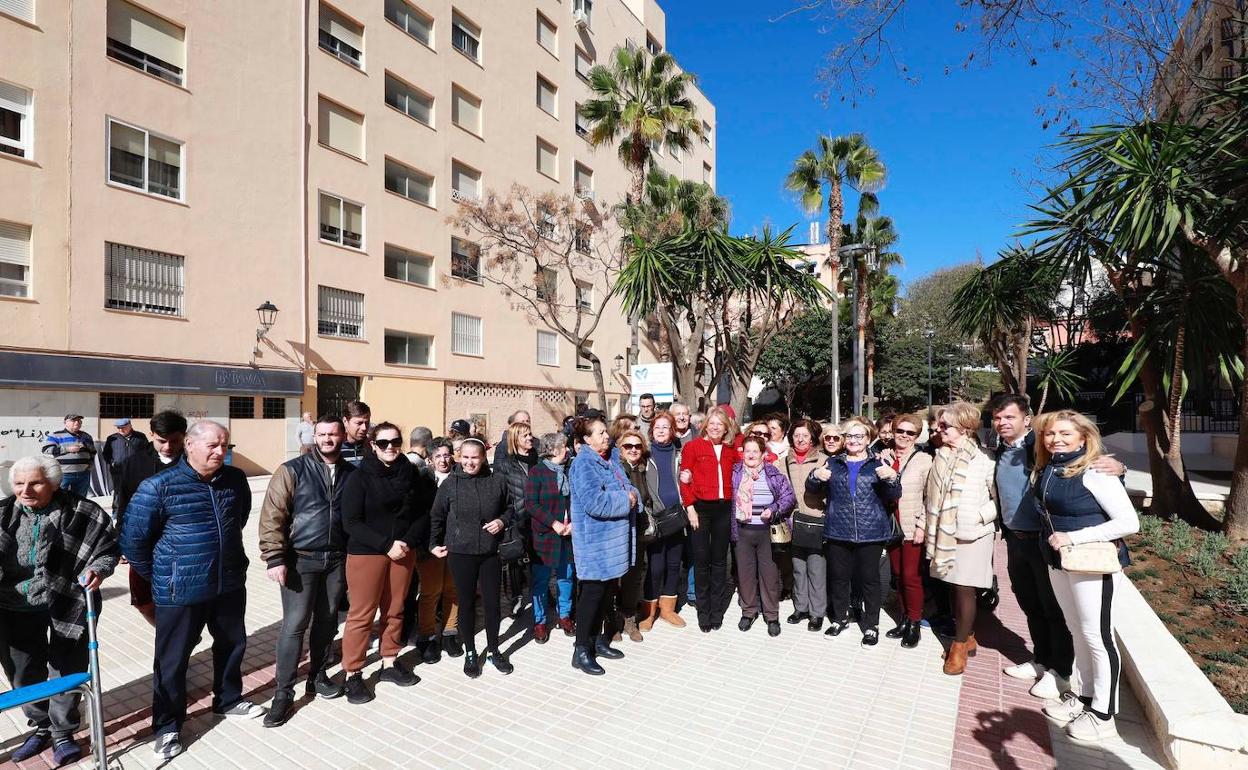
x=340, y=37
x=340, y=128
x=143, y=280
x=465, y=182
x=546, y=95
x=342, y=222
x=145, y=41
x=548, y=159
x=19, y=9
x=547, y=348
x=16, y=123
x=547, y=34
x=466, y=37
x=465, y=110
x=465, y=260
x=14, y=259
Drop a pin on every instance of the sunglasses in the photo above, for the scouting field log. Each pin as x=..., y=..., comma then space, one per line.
x=630, y=446
x=386, y=443
x=944, y=425
x=832, y=437
x=760, y=434
x=905, y=432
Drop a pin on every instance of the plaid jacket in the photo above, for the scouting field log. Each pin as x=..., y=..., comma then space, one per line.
x=81, y=538
x=546, y=506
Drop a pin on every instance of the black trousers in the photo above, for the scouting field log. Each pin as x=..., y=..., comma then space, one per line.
x=595, y=598
x=467, y=570
x=1029, y=577
x=30, y=652
x=177, y=630
x=709, y=545
x=314, y=587
x=663, y=573
x=858, y=563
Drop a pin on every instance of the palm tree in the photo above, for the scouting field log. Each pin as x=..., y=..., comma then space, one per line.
x=877, y=232
x=835, y=162
x=671, y=204
x=640, y=101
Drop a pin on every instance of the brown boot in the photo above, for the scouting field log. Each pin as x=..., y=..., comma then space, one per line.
x=647, y=612
x=971, y=645
x=616, y=625
x=630, y=628
x=667, y=611
x=955, y=659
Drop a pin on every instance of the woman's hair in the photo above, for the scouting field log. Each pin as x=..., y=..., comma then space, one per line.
x=48, y=466
x=749, y=428
x=884, y=421
x=759, y=441
x=1091, y=435
x=831, y=429
x=966, y=417
x=379, y=427
x=585, y=426
x=548, y=445
x=671, y=423
x=634, y=433
x=811, y=427
x=862, y=422
x=620, y=424
x=777, y=417
x=913, y=419
x=513, y=436
x=730, y=424
x=472, y=441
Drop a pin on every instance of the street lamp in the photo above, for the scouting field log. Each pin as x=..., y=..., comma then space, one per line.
x=864, y=258
x=267, y=314
x=619, y=364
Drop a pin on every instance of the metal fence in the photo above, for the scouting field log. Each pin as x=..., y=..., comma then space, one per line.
x=1215, y=411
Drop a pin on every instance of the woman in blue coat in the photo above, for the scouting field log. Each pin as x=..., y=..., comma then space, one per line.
x=860, y=492
x=603, y=538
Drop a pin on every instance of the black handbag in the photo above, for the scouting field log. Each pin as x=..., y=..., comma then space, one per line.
x=511, y=547
x=897, y=536
x=671, y=520
x=807, y=531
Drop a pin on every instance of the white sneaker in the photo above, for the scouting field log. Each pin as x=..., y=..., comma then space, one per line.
x=1066, y=710
x=1049, y=686
x=1089, y=728
x=245, y=709
x=167, y=746
x=1029, y=670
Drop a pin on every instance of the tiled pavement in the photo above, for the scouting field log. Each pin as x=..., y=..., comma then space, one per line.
x=680, y=699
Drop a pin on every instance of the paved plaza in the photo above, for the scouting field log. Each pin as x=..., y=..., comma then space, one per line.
x=679, y=699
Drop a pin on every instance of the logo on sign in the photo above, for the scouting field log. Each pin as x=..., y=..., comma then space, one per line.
x=239, y=378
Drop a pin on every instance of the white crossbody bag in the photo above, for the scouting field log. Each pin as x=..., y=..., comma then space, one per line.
x=1084, y=558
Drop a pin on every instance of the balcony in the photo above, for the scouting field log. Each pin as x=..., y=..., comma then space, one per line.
x=463, y=196
x=119, y=51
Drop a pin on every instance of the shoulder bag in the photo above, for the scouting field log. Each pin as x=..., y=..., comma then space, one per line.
x=807, y=531
x=1083, y=558
x=670, y=520
x=511, y=547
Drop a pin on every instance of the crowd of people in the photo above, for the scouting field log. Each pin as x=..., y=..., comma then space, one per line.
x=608, y=527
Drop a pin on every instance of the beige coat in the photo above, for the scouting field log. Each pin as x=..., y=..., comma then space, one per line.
x=809, y=503
x=977, y=509
x=911, y=509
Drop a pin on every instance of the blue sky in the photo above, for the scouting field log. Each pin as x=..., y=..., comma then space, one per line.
x=963, y=149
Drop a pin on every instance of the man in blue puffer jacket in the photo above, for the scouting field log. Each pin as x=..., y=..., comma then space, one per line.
x=183, y=532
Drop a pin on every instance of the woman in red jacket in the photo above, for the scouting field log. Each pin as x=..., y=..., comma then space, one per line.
x=706, y=490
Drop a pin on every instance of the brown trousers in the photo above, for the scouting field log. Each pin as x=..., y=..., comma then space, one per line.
x=374, y=582
x=436, y=585
x=756, y=569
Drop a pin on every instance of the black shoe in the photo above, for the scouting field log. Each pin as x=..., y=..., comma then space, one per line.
x=705, y=628
x=323, y=687
x=397, y=674
x=717, y=625
x=451, y=645
x=836, y=627
x=911, y=637
x=746, y=622
x=472, y=666
x=432, y=652
x=279, y=712
x=603, y=649
x=501, y=663
x=583, y=659
x=815, y=624
x=870, y=637
x=900, y=630
x=795, y=618
x=357, y=691
x=773, y=628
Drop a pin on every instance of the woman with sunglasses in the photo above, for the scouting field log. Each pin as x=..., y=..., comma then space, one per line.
x=906, y=557
x=761, y=496
x=810, y=575
x=860, y=492
x=634, y=458
x=831, y=440
x=381, y=514
x=961, y=521
x=760, y=430
x=471, y=510
x=663, y=554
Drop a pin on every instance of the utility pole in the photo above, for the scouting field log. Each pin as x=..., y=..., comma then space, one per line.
x=836, y=342
x=929, y=334
x=863, y=259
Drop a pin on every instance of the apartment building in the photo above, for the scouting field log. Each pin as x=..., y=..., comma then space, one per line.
x=1212, y=40
x=169, y=168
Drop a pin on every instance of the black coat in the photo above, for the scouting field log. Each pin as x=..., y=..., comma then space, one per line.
x=381, y=504
x=141, y=465
x=464, y=504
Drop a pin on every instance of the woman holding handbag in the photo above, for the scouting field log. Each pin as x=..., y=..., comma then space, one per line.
x=810, y=575
x=633, y=457
x=520, y=458
x=906, y=556
x=663, y=552
x=546, y=494
x=763, y=500
x=1085, y=515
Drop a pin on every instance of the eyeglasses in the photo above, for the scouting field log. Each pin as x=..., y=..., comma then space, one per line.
x=856, y=436
x=386, y=443
x=630, y=446
x=905, y=432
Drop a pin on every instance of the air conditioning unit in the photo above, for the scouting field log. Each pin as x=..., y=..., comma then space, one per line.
x=580, y=19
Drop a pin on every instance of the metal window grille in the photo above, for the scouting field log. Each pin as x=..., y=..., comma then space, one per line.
x=273, y=408
x=340, y=313
x=143, y=280
x=547, y=348
x=242, y=408
x=466, y=335
x=132, y=405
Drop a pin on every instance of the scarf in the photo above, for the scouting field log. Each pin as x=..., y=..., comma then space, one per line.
x=745, y=491
x=945, y=485
x=561, y=475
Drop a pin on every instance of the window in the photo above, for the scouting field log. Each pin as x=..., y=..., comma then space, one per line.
x=547, y=159
x=653, y=46
x=145, y=41
x=465, y=182
x=20, y=9
x=582, y=241
x=547, y=348
x=409, y=101
x=137, y=158
x=582, y=125
x=14, y=260
x=466, y=37
x=546, y=95
x=340, y=128
x=583, y=65
x=411, y=20
x=342, y=221
x=408, y=266
x=242, y=408
x=584, y=9
x=403, y=349
x=341, y=37
x=143, y=280
x=547, y=284
x=673, y=150
x=465, y=260
x=547, y=34
x=273, y=408
x=584, y=297
x=16, y=126
x=584, y=181
x=706, y=133
x=583, y=362
x=706, y=173
x=132, y=405
x=466, y=335
x=408, y=182
x=465, y=110
x=339, y=313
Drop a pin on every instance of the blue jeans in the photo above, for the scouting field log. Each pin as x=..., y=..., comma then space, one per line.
x=690, y=594
x=78, y=483
x=563, y=572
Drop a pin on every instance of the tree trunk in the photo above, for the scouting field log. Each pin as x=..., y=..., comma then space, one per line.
x=601, y=383
x=836, y=211
x=1044, y=396
x=1235, y=520
x=871, y=373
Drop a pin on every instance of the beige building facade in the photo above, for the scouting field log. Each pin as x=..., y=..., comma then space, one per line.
x=168, y=166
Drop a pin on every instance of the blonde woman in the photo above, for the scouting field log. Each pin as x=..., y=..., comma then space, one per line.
x=961, y=521
x=1078, y=505
x=706, y=490
x=906, y=557
x=831, y=439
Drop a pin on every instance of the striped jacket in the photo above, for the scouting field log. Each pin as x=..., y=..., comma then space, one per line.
x=71, y=462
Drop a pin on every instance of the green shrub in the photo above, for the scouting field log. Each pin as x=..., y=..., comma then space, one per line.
x=1202, y=632
x=1215, y=543
x=1240, y=704
x=1184, y=638
x=1226, y=656
x=1163, y=545
x=1205, y=563
x=1209, y=669
x=1239, y=559
x=1167, y=618
x=1150, y=528
x=1182, y=537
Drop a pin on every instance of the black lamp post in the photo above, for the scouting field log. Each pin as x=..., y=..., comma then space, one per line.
x=267, y=314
